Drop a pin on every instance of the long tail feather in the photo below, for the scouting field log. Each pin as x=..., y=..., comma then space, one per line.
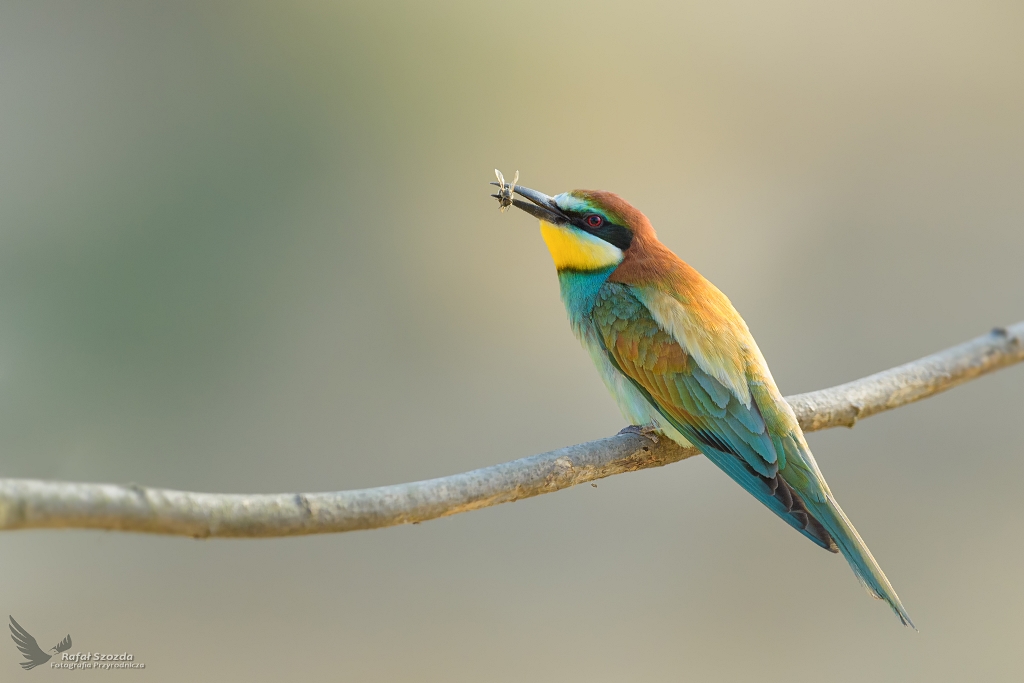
x=856, y=552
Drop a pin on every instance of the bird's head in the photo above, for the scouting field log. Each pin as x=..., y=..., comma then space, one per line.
x=585, y=230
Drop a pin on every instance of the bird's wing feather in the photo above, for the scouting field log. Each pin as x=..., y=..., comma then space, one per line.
x=28, y=646
x=754, y=438
x=711, y=416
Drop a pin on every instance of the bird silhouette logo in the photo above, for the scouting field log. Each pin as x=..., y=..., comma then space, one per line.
x=30, y=648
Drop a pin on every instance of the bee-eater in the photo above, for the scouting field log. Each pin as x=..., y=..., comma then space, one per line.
x=679, y=360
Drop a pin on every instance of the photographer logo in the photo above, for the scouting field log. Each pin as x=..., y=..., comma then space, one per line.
x=61, y=658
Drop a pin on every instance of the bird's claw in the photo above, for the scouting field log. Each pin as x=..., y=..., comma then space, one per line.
x=646, y=431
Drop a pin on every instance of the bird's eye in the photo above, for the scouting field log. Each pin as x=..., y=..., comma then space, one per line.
x=594, y=221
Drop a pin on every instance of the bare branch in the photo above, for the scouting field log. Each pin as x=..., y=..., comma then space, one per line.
x=27, y=504
x=843, y=405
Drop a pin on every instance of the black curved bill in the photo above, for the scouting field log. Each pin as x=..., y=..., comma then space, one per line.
x=543, y=206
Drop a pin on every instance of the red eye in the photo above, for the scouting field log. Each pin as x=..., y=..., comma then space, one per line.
x=594, y=221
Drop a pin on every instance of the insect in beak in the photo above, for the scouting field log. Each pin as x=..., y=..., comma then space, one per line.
x=504, y=195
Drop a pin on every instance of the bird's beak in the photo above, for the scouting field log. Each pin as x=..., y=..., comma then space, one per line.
x=543, y=206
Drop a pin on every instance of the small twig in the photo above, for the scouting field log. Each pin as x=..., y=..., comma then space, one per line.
x=27, y=503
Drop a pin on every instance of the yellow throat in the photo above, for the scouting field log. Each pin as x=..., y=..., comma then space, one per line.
x=573, y=249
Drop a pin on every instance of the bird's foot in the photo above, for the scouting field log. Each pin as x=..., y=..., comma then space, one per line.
x=646, y=431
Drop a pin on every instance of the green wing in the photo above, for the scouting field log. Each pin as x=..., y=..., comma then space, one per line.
x=732, y=435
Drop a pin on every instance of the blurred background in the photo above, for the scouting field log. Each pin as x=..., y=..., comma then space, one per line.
x=248, y=247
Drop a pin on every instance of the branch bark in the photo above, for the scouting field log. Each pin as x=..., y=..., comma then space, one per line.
x=29, y=504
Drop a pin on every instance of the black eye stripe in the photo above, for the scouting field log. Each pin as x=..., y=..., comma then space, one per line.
x=612, y=233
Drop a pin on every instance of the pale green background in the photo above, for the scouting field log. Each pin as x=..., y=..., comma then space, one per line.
x=249, y=247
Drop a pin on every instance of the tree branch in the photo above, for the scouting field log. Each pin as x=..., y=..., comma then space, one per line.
x=28, y=503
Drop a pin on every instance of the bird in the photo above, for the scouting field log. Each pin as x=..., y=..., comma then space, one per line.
x=680, y=362
x=30, y=648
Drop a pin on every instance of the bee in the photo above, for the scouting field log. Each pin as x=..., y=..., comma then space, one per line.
x=504, y=195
